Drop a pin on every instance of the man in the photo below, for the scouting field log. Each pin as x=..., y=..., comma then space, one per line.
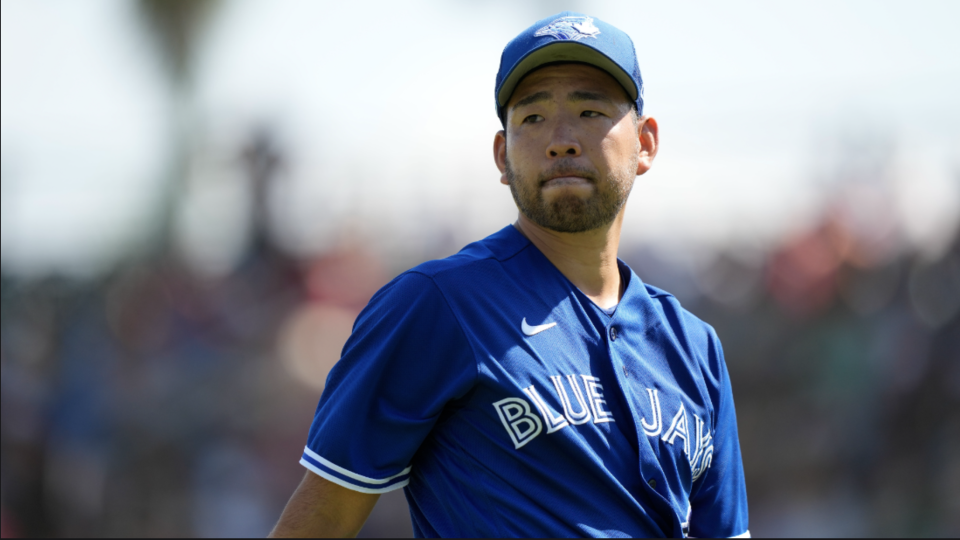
x=532, y=385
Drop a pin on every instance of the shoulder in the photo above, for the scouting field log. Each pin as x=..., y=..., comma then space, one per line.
x=697, y=337
x=471, y=269
x=670, y=307
x=493, y=250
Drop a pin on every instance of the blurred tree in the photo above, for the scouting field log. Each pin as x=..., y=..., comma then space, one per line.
x=176, y=28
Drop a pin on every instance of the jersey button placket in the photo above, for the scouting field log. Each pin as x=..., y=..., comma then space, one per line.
x=614, y=334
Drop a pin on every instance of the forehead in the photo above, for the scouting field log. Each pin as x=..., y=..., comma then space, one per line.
x=562, y=78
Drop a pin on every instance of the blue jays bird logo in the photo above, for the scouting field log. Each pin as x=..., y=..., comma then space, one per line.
x=570, y=28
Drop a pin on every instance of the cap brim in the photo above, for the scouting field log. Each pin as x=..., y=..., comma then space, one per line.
x=564, y=51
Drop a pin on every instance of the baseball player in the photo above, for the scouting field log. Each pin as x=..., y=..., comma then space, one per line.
x=532, y=385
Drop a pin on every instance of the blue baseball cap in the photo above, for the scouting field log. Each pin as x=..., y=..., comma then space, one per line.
x=569, y=37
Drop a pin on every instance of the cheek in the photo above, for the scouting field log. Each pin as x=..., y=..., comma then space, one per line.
x=522, y=150
x=620, y=143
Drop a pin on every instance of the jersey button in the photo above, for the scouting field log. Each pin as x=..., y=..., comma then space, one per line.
x=613, y=333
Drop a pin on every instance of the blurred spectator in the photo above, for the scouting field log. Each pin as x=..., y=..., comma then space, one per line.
x=802, y=275
x=7, y=529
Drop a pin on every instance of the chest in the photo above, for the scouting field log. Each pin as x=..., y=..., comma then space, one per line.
x=609, y=384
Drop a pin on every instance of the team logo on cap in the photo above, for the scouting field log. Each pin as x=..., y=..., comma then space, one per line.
x=575, y=28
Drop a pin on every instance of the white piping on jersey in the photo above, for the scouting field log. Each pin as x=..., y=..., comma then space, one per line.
x=352, y=487
x=354, y=475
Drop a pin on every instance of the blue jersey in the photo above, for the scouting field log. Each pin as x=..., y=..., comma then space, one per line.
x=506, y=403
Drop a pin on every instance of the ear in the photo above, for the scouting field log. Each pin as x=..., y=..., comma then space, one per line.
x=500, y=155
x=649, y=134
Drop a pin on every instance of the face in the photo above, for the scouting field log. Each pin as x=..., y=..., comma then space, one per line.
x=572, y=147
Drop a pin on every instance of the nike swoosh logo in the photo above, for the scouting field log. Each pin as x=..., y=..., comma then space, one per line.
x=534, y=330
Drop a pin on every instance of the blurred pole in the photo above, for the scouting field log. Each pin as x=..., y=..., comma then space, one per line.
x=176, y=27
x=9, y=202
x=263, y=162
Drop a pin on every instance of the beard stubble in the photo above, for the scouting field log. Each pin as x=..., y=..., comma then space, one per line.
x=567, y=212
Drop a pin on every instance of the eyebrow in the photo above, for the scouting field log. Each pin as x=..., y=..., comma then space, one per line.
x=531, y=99
x=575, y=96
x=588, y=96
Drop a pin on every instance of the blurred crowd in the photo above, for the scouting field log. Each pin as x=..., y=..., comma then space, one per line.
x=159, y=401
x=159, y=398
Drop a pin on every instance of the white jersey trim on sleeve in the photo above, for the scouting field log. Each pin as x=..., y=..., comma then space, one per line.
x=350, y=474
x=353, y=487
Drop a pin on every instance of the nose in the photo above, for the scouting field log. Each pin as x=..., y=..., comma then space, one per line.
x=563, y=144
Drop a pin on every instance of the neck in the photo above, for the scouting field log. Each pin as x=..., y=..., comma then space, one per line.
x=587, y=259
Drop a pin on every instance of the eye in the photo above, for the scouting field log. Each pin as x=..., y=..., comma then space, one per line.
x=533, y=119
x=590, y=114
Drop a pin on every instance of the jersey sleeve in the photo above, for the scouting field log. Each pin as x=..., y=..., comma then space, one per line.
x=718, y=505
x=405, y=360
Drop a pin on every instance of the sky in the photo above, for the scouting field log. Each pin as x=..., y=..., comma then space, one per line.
x=386, y=118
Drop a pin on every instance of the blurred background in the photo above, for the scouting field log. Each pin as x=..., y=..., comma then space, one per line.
x=199, y=197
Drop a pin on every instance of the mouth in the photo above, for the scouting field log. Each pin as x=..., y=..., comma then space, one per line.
x=570, y=180
x=567, y=175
